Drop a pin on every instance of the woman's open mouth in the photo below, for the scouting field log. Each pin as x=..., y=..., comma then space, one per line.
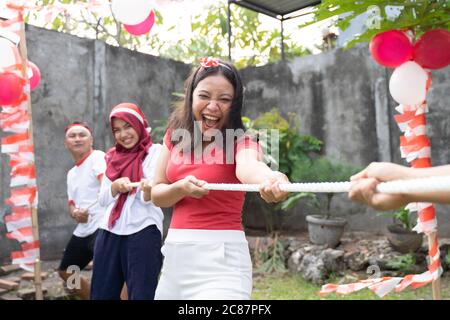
x=210, y=121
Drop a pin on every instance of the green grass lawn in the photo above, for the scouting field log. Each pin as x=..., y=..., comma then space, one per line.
x=293, y=287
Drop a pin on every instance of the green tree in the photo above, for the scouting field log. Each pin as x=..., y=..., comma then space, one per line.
x=209, y=36
x=416, y=15
x=92, y=24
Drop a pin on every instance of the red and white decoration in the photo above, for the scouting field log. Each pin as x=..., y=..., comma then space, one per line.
x=408, y=86
x=14, y=119
x=136, y=16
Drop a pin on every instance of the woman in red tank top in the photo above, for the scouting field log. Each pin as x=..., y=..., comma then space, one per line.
x=206, y=254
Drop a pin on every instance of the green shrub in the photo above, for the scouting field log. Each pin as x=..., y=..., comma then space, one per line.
x=403, y=217
x=402, y=263
x=271, y=259
x=294, y=149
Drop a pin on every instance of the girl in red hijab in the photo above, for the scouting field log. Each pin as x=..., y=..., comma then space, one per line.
x=127, y=249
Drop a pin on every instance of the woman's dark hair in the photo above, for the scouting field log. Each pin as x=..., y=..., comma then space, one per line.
x=183, y=117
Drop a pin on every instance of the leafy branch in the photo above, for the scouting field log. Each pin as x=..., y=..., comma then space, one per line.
x=418, y=16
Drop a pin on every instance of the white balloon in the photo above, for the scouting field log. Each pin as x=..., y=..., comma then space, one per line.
x=7, y=57
x=408, y=84
x=131, y=12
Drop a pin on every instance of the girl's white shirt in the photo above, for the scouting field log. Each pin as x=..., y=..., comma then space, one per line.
x=137, y=214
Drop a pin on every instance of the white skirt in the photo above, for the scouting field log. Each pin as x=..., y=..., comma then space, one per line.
x=205, y=265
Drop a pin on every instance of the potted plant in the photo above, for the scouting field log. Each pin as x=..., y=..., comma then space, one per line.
x=291, y=149
x=323, y=228
x=400, y=234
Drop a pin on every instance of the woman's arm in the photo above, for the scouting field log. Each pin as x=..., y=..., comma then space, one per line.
x=429, y=172
x=365, y=183
x=250, y=169
x=105, y=196
x=149, y=167
x=363, y=191
x=165, y=194
x=386, y=171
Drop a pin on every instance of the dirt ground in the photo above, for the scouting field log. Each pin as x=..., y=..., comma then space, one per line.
x=55, y=289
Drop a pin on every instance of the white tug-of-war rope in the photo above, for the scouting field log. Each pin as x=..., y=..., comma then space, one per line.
x=425, y=185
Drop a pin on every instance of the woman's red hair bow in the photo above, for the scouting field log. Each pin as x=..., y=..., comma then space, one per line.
x=207, y=62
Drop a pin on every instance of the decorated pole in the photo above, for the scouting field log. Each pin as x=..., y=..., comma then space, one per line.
x=16, y=110
x=34, y=217
x=15, y=117
x=409, y=85
x=415, y=146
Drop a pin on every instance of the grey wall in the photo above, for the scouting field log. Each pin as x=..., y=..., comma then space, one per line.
x=341, y=97
x=82, y=79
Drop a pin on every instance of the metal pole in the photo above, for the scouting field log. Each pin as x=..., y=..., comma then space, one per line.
x=282, y=40
x=229, y=30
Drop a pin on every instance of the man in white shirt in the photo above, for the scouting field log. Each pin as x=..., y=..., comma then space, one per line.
x=83, y=186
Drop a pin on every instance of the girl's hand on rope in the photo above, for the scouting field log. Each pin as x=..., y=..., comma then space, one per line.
x=193, y=187
x=382, y=171
x=121, y=186
x=270, y=189
x=80, y=215
x=146, y=186
x=363, y=191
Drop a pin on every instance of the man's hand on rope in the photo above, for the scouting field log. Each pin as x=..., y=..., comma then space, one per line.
x=383, y=171
x=193, y=187
x=80, y=215
x=364, y=183
x=270, y=189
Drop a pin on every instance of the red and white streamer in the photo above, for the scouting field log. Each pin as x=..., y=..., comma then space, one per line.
x=28, y=254
x=415, y=146
x=23, y=175
x=380, y=286
x=15, y=122
x=14, y=119
x=18, y=219
x=22, y=235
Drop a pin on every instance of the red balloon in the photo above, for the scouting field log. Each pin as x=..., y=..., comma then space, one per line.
x=432, y=51
x=143, y=27
x=11, y=88
x=391, y=48
x=36, y=77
